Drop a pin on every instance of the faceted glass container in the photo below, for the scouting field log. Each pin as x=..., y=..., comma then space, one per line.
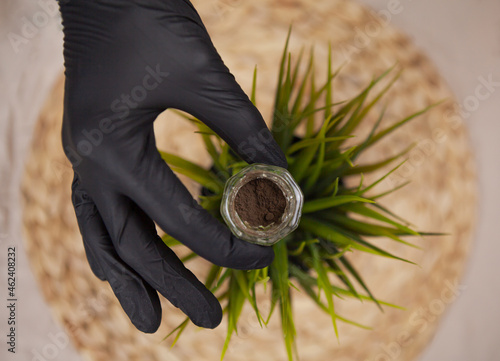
x=272, y=233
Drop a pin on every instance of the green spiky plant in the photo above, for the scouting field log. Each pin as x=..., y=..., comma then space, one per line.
x=317, y=252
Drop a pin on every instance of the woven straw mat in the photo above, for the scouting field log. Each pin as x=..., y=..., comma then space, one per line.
x=440, y=197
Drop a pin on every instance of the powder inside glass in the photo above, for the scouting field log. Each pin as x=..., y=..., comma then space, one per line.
x=260, y=202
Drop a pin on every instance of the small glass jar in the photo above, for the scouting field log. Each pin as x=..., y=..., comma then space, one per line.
x=272, y=233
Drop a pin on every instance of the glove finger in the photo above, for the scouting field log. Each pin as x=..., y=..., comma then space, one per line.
x=205, y=88
x=89, y=223
x=224, y=108
x=157, y=190
x=135, y=239
x=137, y=298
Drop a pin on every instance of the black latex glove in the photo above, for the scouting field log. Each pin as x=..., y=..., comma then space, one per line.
x=126, y=62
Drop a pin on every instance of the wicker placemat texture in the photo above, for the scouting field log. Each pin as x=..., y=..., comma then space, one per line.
x=440, y=197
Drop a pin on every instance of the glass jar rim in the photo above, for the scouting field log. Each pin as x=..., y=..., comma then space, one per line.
x=291, y=215
x=284, y=188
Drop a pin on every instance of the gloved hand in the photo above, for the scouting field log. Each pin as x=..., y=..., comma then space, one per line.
x=127, y=61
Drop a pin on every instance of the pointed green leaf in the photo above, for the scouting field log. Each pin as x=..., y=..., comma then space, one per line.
x=306, y=143
x=170, y=241
x=179, y=329
x=325, y=285
x=395, y=126
x=329, y=202
x=367, y=168
x=254, y=86
x=193, y=171
x=358, y=278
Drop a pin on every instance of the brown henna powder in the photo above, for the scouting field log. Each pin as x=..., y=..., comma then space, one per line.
x=260, y=202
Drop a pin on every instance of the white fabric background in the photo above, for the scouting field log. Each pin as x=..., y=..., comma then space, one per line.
x=461, y=37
